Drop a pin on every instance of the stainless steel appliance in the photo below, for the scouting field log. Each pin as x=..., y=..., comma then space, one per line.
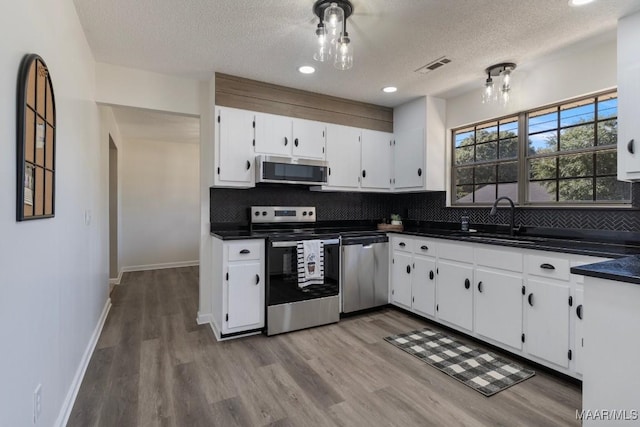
x=286, y=170
x=290, y=307
x=365, y=272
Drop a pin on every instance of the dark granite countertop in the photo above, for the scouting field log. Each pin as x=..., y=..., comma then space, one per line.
x=582, y=242
x=621, y=270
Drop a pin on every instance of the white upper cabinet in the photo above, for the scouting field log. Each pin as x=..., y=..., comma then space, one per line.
x=273, y=134
x=343, y=156
x=308, y=139
x=628, y=95
x=376, y=160
x=419, y=151
x=234, y=148
x=408, y=147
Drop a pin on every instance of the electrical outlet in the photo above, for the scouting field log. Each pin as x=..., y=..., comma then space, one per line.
x=37, y=403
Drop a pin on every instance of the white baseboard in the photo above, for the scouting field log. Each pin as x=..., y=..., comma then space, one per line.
x=205, y=318
x=117, y=280
x=67, y=405
x=159, y=266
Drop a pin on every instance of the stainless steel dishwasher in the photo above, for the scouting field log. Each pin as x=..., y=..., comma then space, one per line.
x=365, y=272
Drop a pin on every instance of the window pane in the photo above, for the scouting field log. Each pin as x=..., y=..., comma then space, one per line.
x=488, y=151
x=608, y=106
x=486, y=173
x=487, y=132
x=485, y=193
x=576, y=137
x=464, y=155
x=611, y=189
x=540, y=169
x=543, y=143
x=508, y=172
x=510, y=190
x=577, y=112
x=464, y=176
x=543, y=120
x=464, y=138
x=576, y=165
x=607, y=163
x=543, y=191
x=508, y=148
x=509, y=129
x=608, y=132
x=575, y=190
x=464, y=193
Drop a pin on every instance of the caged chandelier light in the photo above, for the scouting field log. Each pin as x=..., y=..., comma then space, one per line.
x=333, y=38
x=490, y=94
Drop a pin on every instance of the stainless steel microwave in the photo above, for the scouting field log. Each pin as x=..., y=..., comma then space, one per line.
x=285, y=170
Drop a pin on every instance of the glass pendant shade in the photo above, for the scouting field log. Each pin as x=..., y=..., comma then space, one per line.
x=487, y=93
x=506, y=80
x=344, y=54
x=333, y=19
x=323, y=49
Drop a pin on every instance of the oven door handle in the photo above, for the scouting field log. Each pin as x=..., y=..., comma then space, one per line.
x=294, y=243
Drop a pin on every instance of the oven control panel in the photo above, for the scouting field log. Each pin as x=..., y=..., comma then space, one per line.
x=283, y=214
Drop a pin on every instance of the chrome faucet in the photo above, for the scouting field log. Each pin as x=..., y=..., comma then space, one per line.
x=494, y=210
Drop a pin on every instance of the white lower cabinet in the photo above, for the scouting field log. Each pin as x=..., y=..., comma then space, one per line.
x=524, y=301
x=413, y=275
x=547, y=321
x=498, y=306
x=455, y=293
x=242, y=286
x=401, y=279
x=423, y=285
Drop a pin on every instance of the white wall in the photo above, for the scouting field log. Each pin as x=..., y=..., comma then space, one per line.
x=108, y=126
x=54, y=272
x=160, y=204
x=130, y=87
x=576, y=71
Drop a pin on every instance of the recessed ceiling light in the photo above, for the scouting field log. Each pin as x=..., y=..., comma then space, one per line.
x=307, y=69
x=389, y=89
x=579, y=2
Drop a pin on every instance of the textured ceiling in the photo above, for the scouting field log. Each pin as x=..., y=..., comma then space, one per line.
x=135, y=123
x=268, y=40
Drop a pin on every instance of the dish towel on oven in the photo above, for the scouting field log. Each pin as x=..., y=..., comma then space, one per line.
x=310, y=263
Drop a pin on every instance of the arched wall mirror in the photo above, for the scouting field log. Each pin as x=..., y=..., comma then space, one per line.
x=36, y=141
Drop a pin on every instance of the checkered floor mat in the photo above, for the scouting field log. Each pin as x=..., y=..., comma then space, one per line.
x=482, y=371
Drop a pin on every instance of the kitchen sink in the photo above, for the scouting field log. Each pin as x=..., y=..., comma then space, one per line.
x=499, y=238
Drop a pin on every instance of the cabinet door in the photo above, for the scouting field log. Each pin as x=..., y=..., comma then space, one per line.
x=628, y=95
x=498, y=306
x=408, y=155
x=343, y=156
x=455, y=293
x=235, y=142
x=245, y=296
x=376, y=160
x=547, y=321
x=423, y=286
x=308, y=139
x=578, y=331
x=273, y=135
x=401, y=267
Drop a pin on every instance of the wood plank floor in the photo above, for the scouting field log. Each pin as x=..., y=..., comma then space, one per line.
x=154, y=366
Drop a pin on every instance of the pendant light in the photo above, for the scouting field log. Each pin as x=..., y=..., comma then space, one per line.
x=503, y=93
x=333, y=40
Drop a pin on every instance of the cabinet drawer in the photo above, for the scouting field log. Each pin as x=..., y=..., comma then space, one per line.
x=456, y=251
x=425, y=247
x=548, y=266
x=510, y=260
x=401, y=243
x=244, y=250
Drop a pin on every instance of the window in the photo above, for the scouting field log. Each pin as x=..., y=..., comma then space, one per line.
x=563, y=154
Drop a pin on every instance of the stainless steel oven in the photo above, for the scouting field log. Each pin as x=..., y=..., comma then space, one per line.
x=291, y=306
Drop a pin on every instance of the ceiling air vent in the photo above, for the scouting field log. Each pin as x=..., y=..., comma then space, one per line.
x=433, y=65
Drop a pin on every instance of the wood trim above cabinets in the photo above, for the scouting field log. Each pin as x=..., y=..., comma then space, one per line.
x=238, y=92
